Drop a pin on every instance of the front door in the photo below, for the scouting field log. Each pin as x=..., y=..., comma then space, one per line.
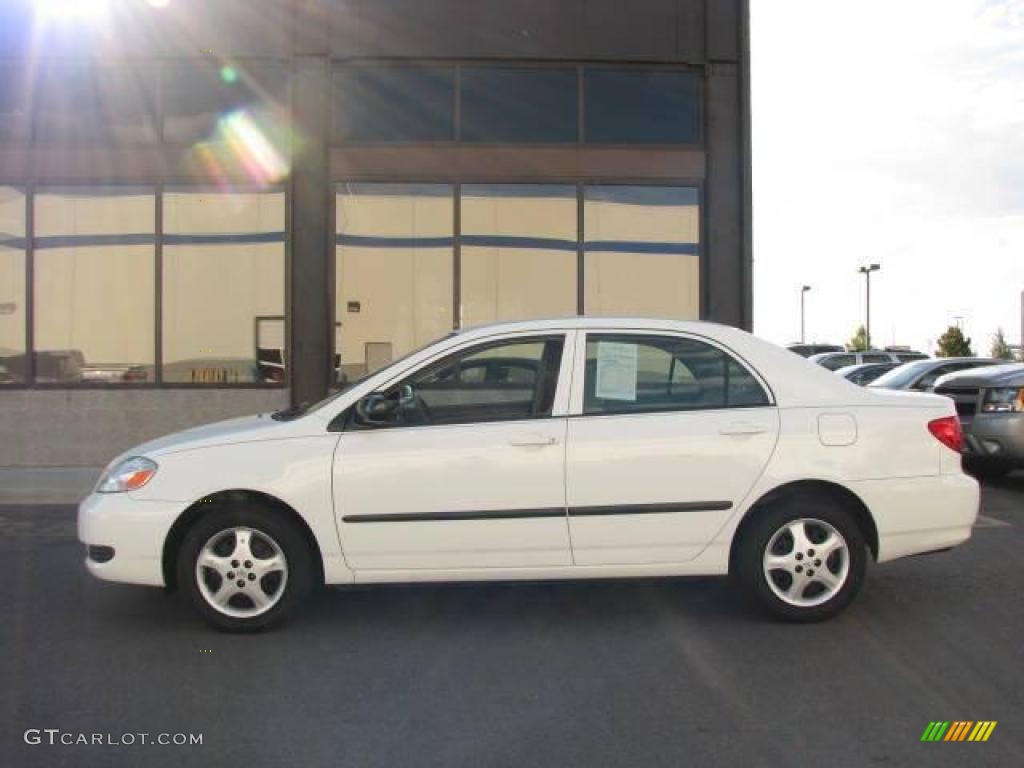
x=667, y=436
x=468, y=470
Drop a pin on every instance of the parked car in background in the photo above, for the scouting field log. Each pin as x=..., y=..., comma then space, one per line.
x=547, y=449
x=806, y=350
x=836, y=360
x=921, y=375
x=865, y=373
x=990, y=403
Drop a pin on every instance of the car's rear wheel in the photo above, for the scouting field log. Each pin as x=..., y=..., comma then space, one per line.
x=244, y=568
x=802, y=559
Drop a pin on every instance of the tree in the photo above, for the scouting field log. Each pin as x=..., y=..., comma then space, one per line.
x=859, y=342
x=1000, y=349
x=953, y=343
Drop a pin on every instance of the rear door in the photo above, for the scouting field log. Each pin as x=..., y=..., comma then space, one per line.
x=667, y=434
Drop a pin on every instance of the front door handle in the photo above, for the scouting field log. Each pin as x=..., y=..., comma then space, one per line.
x=741, y=428
x=533, y=441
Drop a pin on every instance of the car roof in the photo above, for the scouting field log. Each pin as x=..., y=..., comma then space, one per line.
x=1010, y=374
x=593, y=321
x=847, y=369
x=828, y=355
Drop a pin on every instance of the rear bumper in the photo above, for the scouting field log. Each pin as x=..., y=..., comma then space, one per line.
x=920, y=514
x=997, y=437
x=124, y=537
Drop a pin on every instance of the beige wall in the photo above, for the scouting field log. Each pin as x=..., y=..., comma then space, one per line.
x=405, y=293
x=502, y=283
x=665, y=285
x=12, y=270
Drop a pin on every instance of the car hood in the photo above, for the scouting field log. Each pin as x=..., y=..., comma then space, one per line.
x=238, y=430
x=1011, y=375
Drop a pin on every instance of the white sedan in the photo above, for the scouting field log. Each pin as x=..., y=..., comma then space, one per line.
x=553, y=449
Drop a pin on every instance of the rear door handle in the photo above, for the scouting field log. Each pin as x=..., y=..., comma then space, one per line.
x=741, y=428
x=533, y=441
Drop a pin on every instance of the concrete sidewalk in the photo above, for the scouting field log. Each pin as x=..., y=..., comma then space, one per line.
x=46, y=485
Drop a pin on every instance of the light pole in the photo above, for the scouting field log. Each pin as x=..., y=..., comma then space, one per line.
x=866, y=271
x=803, y=293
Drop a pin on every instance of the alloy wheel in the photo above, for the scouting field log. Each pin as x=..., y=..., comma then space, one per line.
x=241, y=572
x=806, y=562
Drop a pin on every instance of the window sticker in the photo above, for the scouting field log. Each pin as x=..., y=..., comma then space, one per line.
x=616, y=371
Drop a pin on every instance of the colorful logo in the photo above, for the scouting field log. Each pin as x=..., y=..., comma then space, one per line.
x=959, y=730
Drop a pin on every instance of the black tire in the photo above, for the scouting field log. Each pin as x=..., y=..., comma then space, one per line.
x=986, y=469
x=748, y=563
x=266, y=525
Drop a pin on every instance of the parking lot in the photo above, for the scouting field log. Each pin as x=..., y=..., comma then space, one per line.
x=627, y=673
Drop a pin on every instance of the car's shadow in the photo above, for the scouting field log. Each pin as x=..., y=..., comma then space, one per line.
x=486, y=605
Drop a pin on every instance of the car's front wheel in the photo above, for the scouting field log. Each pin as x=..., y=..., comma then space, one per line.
x=802, y=560
x=244, y=568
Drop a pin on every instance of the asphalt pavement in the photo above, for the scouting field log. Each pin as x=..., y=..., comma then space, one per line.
x=624, y=673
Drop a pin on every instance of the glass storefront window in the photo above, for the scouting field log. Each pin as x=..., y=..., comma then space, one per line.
x=223, y=286
x=75, y=104
x=14, y=100
x=394, y=104
x=518, y=251
x=506, y=104
x=197, y=97
x=12, y=286
x=642, y=247
x=393, y=289
x=641, y=106
x=94, y=285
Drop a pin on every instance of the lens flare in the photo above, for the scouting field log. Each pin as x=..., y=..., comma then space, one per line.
x=264, y=163
x=59, y=10
x=229, y=74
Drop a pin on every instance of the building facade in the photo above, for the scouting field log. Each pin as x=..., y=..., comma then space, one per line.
x=214, y=208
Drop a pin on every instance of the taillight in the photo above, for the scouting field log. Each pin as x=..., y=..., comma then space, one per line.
x=948, y=432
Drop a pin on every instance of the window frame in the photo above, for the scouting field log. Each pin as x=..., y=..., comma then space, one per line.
x=581, y=67
x=345, y=420
x=576, y=407
x=30, y=189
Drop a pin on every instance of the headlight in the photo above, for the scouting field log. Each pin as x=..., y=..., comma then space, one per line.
x=1004, y=400
x=128, y=475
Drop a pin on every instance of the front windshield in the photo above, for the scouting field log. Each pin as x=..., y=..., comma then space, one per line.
x=900, y=377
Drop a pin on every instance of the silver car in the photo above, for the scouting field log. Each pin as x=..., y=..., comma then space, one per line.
x=921, y=375
x=990, y=403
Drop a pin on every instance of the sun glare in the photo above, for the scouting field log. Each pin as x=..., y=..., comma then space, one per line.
x=59, y=10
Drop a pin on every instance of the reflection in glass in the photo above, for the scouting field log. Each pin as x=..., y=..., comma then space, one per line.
x=393, y=272
x=14, y=100
x=12, y=286
x=223, y=287
x=641, y=106
x=642, y=248
x=518, y=251
x=394, y=103
x=197, y=96
x=95, y=104
x=518, y=104
x=93, y=285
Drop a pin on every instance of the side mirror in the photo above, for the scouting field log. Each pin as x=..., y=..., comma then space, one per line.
x=376, y=409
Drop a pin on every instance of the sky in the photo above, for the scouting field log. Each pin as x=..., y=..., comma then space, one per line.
x=889, y=132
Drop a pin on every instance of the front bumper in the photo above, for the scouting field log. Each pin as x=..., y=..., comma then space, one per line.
x=134, y=529
x=995, y=436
